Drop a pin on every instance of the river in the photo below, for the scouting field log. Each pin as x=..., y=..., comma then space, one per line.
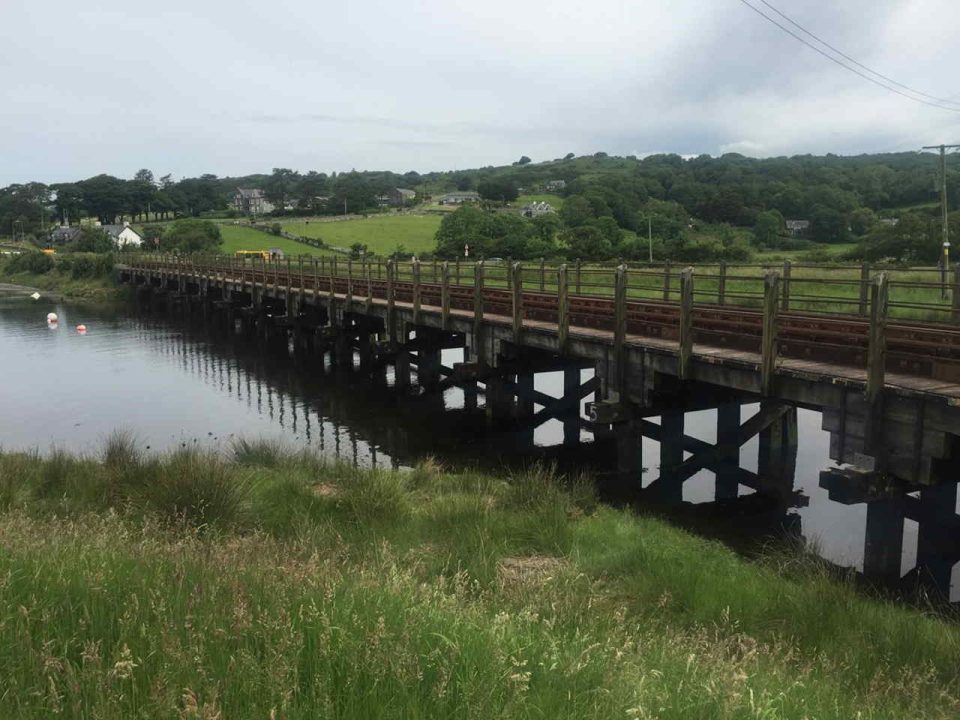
x=174, y=382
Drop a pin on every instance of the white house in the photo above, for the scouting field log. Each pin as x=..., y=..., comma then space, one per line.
x=123, y=235
x=536, y=209
x=461, y=196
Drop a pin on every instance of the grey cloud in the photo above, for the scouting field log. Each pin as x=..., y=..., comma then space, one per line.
x=208, y=87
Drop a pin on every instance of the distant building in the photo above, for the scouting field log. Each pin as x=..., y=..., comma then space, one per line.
x=554, y=185
x=891, y=222
x=251, y=201
x=461, y=196
x=63, y=235
x=536, y=209
x=798, y=227
x=123, y=235
x=398, y=197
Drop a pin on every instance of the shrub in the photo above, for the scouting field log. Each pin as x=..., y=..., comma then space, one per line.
x=194, y=487
x=31, y=262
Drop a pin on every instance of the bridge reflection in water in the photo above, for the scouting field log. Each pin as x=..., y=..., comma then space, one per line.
x=701, y=467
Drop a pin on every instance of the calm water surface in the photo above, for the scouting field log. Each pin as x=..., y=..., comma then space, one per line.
x=173, y=382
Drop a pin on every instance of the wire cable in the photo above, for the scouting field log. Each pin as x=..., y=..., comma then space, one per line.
x=854, y=70
x=949, y=100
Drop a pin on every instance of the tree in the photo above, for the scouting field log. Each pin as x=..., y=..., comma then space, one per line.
x=524, y=160
x=91, y=239
x=576, y=211
x=198, y=195
x=191, y=235
x=496, y=189
x=69, y=202
x=862, y=220
x=768, y=228
x=280, y=186
x=569, y=156
x=586, y=242
x=104, y=197
x=828, y=225
x=144, y=175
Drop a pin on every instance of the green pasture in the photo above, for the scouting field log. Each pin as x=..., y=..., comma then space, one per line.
x=239, y=237
x=382, y=234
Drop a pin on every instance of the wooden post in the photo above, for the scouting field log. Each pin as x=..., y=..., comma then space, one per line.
x=768, y=349
x=478, y=311
x=620, y=325
x=391, y=302
x=722, y=284
x=864, y=287
x=415, y=269
x=456, y=277
x=276, y=274
x=686, y=323
x=369, y=301
x=543, y=276
x=516, y=286
x=445, y=295
x=877, y=347
x=349, y=300
x=876, y=369
x=666, y=281
x=955, y=314
x=563, y=309
x=786, y=285
x=577, y=278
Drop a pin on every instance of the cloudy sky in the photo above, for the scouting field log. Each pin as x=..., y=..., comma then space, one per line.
x=187, y=87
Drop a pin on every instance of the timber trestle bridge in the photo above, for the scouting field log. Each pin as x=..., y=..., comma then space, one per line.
x=888, y=385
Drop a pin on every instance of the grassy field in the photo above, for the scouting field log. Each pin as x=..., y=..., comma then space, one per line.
x=271, y=585
x=382, y=234
x=238, y=237
x=554, y=200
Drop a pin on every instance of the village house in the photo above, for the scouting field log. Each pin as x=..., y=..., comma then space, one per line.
x=554, y=185
x=458, y=197
x=798, y=227
x=536, y=209
x=397, y=197
x=63, y=235
x=251, y=201
x=123, y=235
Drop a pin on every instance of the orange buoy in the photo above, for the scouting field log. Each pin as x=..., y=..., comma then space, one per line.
x=82, y=329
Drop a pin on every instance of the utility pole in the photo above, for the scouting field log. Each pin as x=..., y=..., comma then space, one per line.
x=650, y=237
x=945, y=260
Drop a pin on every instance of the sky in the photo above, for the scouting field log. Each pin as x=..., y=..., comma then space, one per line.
x=232, y=88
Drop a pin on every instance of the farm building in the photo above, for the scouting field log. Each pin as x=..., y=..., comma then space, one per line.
x=461, y=196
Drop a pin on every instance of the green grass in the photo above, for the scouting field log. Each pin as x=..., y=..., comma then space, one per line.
x=274, y=585
x=554, y=200
x=238, y=237
x=382, y=234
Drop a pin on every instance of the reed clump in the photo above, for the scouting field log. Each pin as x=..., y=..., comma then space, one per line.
x=269, y=583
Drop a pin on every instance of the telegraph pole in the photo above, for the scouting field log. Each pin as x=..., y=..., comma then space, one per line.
x=945, y=260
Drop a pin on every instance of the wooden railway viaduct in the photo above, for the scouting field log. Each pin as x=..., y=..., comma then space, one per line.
x=888, y=390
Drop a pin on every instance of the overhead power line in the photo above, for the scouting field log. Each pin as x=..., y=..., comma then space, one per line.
x=948, y=100
x=885, y=83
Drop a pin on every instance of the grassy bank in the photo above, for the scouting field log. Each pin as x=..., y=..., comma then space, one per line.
x=271, y=585
x=62, y=282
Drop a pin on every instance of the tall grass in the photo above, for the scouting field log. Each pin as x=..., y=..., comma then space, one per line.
x=197, y=586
